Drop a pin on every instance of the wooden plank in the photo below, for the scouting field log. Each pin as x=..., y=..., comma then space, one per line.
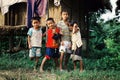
x=1, y=19
x=16, y=30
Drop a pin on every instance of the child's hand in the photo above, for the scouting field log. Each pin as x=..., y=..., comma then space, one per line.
x=70, y=46
x=62, y=43
x=75, y=28
x=61, y=32
x=54, y=32
x=30, y=46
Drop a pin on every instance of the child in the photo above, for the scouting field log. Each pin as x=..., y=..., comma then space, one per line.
x=35, y=40
x=76, y=46
x=52, y=43
x=65, y=47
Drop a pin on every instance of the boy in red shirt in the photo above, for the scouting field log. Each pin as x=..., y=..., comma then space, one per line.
x=52, y=43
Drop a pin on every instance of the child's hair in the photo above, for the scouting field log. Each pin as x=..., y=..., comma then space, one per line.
x=50, y=19
x=64, y=11
x=73, y=22
x=36, y=18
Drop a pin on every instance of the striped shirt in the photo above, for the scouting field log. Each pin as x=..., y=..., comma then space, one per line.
x=64, y=30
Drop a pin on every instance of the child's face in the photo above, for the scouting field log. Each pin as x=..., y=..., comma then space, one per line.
x=70, y=28
x=35, y=23
x=75, y=27
x=65, y=15
x=50, y=24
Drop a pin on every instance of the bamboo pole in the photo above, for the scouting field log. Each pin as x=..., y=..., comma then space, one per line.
x=47, y=16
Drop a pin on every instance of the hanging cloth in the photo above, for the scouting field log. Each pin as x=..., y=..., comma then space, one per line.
x=5, y=4
x=0, y=3
x=35, y=8
x=57, y=2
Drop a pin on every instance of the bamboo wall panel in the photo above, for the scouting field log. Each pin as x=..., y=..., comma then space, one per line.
x=1, y=19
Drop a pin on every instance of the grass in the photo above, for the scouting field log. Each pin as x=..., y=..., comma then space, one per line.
x=23, y=74
x=17, y=66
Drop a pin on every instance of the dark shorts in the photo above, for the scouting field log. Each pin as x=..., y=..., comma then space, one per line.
x=52, y=53
x=78, y=51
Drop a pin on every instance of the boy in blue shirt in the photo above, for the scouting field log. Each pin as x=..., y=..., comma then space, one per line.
x=35, y=40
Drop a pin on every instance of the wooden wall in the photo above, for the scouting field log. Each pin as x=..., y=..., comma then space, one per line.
x=76, y=9
x=54, y=12
x=1, y=19
x=16, y=14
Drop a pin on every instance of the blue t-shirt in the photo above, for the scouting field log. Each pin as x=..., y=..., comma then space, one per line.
x=36, y=37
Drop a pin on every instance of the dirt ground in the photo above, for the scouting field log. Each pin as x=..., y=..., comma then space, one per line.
x=26, y=75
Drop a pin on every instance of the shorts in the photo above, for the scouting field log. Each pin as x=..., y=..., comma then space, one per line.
x=76, y=55
x=35, y=52
x=66, y=47
x=52, y=52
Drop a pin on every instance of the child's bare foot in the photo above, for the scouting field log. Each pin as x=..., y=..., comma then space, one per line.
x=41, y=70
x=35, y=69
x=61, y=70
x=81, y=71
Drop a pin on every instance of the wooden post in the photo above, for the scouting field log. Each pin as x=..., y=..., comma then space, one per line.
x=47, y=16
x=11, y=23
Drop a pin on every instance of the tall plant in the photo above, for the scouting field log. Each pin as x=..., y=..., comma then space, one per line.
x=96, y=44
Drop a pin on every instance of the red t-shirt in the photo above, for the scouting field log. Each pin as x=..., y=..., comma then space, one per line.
x=50, y=41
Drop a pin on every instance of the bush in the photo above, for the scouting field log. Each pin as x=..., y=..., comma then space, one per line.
x=105, y=46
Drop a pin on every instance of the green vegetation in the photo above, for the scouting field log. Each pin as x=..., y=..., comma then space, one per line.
x=17, y=66
x=105, y=45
